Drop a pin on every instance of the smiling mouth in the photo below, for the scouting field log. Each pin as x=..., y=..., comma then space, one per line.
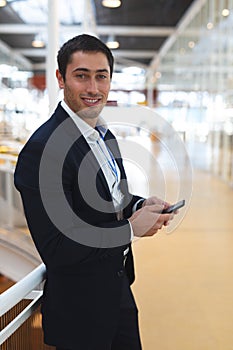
x=91, y=101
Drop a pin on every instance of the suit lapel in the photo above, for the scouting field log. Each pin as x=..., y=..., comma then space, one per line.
x=83, y=147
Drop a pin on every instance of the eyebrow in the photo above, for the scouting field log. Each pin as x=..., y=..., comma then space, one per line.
x=104, y=70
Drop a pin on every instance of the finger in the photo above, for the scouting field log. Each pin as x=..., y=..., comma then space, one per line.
x=155, y=208
x=151, y=233
x=166, y=223
x=167, y=217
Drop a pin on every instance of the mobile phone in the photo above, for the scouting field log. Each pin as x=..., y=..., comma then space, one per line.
x=174, y=207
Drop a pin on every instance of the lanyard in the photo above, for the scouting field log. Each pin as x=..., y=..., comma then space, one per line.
x=112, y=163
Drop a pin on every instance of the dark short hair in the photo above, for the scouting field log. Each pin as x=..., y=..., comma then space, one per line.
x=85, y=43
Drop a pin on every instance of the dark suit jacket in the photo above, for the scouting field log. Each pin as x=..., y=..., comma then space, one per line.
x=83, y=286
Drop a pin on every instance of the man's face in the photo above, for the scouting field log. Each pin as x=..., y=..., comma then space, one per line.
x=87, y=84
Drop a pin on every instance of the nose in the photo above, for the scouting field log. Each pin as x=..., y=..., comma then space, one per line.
x=92, y=86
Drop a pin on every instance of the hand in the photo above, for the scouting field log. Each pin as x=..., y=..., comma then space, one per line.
x=154, y=200
x=148, y=220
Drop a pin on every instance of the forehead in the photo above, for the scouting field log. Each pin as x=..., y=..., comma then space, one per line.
x=89, y=60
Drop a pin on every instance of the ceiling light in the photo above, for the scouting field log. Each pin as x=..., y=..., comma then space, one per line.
x=111, y=3
x=225, y=12
x=38, y=41
x=209, y=25
x=191, y=44
x=112, y=43
x=2, y=3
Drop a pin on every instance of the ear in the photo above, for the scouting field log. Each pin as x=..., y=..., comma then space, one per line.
x=60, y=79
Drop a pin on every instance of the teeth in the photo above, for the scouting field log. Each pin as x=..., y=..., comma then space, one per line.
x=91, y=101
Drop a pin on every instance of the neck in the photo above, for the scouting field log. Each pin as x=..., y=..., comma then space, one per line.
x=91, y=122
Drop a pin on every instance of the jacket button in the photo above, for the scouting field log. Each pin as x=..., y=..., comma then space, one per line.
x=120, y=273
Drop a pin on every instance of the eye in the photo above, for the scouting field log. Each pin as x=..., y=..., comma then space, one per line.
x=101, y=76
x=81, y=76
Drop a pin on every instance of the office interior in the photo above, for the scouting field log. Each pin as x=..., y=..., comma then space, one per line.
x=174, y=123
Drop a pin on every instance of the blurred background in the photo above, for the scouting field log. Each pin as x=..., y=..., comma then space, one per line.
x=171, y=102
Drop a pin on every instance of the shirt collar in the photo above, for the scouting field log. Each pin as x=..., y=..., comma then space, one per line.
x=87, y=131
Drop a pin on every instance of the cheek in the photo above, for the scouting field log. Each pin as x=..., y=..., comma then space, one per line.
x=105, y=89
x=71, y=92
x=71, y=97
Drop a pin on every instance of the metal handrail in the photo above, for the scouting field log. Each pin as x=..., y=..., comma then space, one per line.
x=21, y=289
x=24, y=289
x=12, y=327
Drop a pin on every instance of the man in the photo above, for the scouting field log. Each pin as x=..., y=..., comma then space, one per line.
x=79, y=211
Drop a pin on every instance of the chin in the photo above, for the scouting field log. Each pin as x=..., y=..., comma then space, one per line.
x=91, y=112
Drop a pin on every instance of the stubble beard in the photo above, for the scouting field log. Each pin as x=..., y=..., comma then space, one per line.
x=92, y=112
